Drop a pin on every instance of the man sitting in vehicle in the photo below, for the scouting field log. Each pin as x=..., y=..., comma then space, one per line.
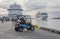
x=22, y=20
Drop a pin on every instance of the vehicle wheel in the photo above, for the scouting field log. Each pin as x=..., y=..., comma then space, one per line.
x=32, y=28
x=20, y=29
x=16, y=29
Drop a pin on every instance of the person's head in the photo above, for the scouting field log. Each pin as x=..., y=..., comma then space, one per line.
x=21, y=18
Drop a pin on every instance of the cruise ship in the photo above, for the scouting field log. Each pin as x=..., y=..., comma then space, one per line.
x=42, y=16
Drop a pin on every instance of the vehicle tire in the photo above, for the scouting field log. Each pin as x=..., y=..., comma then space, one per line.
x=28, y=28
x=16, y=29
x=20, y=29
x=32, y=28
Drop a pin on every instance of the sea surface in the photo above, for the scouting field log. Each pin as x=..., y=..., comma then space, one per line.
x=50, y=23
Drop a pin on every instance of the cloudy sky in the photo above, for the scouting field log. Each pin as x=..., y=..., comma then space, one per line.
x=52, y=7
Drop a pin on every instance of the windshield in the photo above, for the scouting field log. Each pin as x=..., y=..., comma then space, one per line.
x=27, y=18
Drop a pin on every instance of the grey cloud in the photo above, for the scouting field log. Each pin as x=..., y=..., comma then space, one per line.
x=35, y=4
x=36, y=7
x=53, y=0
x=55, y=7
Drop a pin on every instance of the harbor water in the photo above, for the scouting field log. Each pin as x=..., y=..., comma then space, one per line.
x=50, y=23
